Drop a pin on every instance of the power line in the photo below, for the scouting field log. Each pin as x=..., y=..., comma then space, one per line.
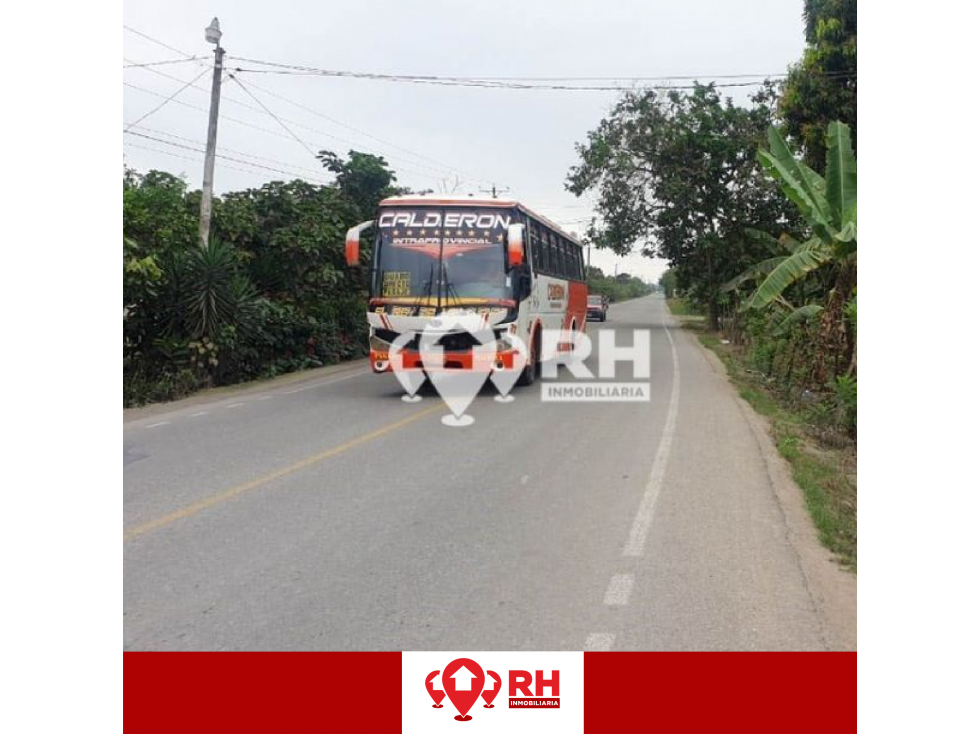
x=620, y=78
x=167, y=100
x=409, y=169
x=232, y=100
x=273, y=115
x=218, y=155
x=129, y=144
x=491, y=79
x=626, y=78
x=448, y=167
x=491, y=82
x=414, y=154
x=148, y=64
x=443, y=168
x=315, y=173
x=164, y=152
x=156, y=41
x=254, y=127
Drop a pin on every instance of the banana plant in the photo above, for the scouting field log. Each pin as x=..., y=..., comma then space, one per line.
x=829, y=206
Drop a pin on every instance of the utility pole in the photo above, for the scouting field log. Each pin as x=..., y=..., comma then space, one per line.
x=213, y=35
x=493, y=191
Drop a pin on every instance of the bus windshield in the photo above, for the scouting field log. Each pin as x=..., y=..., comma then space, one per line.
x=447, y=254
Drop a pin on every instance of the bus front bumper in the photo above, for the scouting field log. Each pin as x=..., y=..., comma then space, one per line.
x=449, y=360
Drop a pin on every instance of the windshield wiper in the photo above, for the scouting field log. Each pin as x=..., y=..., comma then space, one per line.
x=449, y=287
x=431, y=282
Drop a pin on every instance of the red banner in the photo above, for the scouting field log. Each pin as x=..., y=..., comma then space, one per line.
x=760, y=692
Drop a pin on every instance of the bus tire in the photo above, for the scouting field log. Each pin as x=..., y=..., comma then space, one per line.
x=529, y=374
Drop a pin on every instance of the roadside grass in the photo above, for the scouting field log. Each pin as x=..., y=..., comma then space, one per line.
x=825, y=471
x=681, y=307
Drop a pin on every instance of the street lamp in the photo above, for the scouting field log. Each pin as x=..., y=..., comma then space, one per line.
x=212, y=34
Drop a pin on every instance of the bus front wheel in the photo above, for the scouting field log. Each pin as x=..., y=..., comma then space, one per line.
x=529, y=373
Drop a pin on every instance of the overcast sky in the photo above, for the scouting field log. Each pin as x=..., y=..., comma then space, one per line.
x=429, y=134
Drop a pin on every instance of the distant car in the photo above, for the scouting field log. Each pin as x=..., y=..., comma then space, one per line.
x=597, y=307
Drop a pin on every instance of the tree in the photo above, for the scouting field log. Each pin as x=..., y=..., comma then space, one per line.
x=823, y=86
x=616, y=288
x=363, y=179
x=290, y=235
x=270, y=293
x=158, y=226
x=676, y=175
x=155, y=211
x=141, y=277
x=667, y=281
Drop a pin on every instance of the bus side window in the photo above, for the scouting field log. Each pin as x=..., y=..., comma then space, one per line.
x=579, y=263
x=545, y=243
x=536, y=246
x=531, y=245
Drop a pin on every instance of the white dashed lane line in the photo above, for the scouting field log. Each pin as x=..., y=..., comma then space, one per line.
x=647, y=506
x=200, y=413
x=599, y=642
x=326, y=383
x=620, y=585
x=619, y=589
x=234, y=405
x=161, y=423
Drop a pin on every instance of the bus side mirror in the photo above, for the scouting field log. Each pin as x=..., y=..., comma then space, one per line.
x=514, y=240
x=353, y=243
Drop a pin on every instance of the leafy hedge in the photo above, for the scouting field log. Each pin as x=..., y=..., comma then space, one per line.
x=269, y=294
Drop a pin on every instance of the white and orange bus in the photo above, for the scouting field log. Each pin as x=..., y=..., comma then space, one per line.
x=495, y=257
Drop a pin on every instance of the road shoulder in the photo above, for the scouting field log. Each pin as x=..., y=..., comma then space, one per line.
x=207, y=396
x=832, y=588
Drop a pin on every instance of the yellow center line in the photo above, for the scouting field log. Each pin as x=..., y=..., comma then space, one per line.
x=240, y=489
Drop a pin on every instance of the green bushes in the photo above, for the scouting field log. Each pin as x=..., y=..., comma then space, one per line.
x=786, y=362
x=617, y=288
x=269, y=294
x=845, y=390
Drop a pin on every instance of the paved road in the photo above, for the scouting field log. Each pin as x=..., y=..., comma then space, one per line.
x=332, y=515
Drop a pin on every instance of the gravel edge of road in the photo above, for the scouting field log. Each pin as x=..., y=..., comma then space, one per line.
x=832, y=588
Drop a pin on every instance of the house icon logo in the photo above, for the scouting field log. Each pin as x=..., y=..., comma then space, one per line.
x=463, y=681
